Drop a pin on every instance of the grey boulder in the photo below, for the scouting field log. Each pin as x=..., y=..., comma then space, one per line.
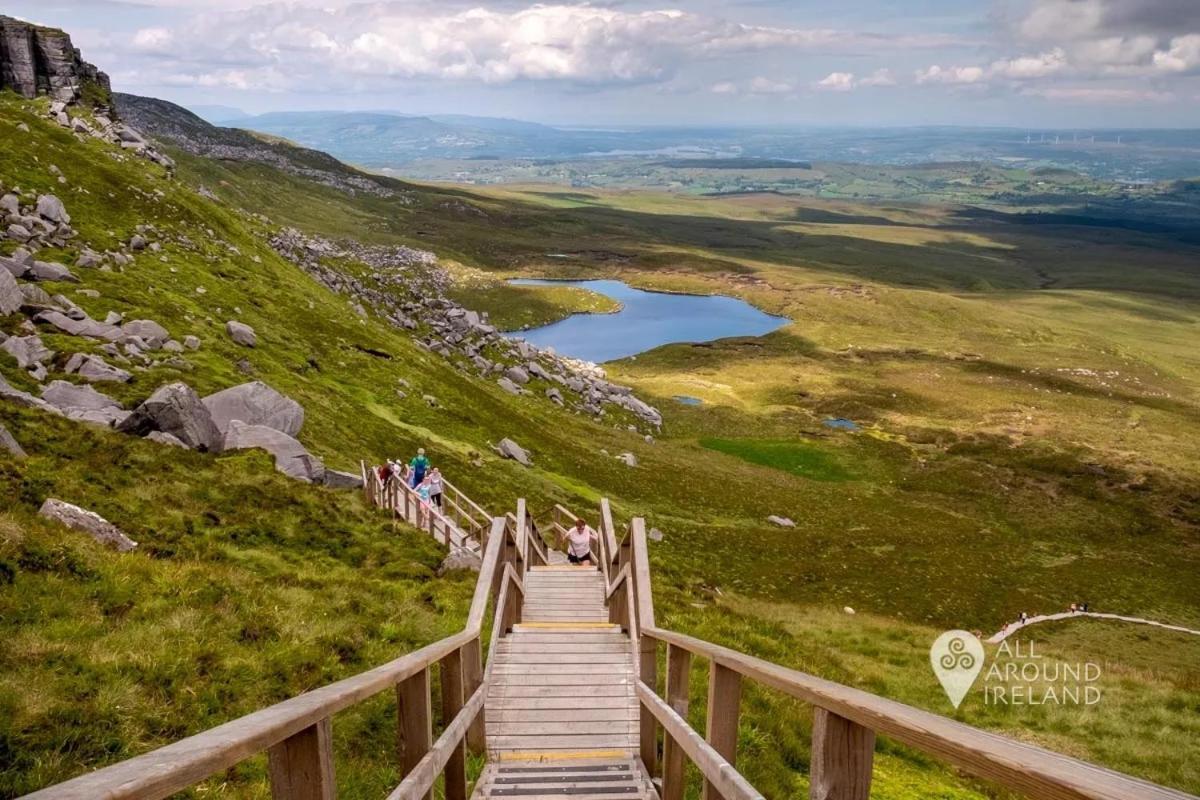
x=15, y=395
x=291, y=458
x=27, y=350
x=241, y=333
x=460, y=561
x=95, y=369
x=49, y=271
x=51, y=208
x=165, y=438
x=510, y=449
x=149, y=331
x=176, y=409
x=255, y=403
x=517, y=375
x=9, y=444
x=10, y=294
x=84, y=404
x=335, y=479
x=89, y=522
x=782, y=522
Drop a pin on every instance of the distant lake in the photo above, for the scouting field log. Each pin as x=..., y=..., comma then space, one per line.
x=647, y=320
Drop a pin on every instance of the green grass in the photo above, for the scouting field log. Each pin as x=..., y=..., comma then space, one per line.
x=805, y=460
x=991, y=476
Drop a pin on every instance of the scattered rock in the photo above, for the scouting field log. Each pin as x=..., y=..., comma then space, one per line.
x=241, y=333
x=51, y=208
x=191, y=342
x=27, y=350
x=10, y=294
x=15, y=395
x=89, y=522
x=509, y=386
x=291, y=458
x=95, y=369
x=176, y=409
x=510, y=449
x=848, y=610
x=49, y=271
x=335, y=479
x=149, y=331
x=9, y=444
x=255, y=403
x=517, y=375
x=655, y=535
x=629, y=459
x=430, y=400
x=782, y=522
x=460, y=560
x=84, y=404
x=555, y=395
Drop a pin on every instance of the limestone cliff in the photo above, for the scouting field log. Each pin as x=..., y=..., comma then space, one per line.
x=36, y=61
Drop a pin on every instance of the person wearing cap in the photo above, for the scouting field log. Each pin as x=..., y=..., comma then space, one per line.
x=420, y=465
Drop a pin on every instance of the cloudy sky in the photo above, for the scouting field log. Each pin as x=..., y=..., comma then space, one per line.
x=1027, y=63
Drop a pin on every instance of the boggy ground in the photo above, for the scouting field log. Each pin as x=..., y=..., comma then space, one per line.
x=985, y=480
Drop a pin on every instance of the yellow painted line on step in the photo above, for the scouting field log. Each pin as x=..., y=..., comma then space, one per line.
x=561, y=755
x=572, y=625
x=563, y=568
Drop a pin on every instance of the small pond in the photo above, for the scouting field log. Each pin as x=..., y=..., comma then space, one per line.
x=688, y=400
x=645, y=321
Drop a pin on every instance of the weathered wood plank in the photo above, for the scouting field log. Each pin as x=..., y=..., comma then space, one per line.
x=842, y=753
x=452, y=702
x=679, y=662
x=301, y=766
x=724, y=709
x=415, y=721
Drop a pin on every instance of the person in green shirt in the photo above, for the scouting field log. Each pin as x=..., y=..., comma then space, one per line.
x=420, y=465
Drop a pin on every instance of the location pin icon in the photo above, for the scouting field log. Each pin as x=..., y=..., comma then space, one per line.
x=957, y=659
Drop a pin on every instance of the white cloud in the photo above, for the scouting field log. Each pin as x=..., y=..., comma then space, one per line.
x=1183, y=55
x=952, y=75
x=837, y=82
x=389, y=41
x=724, y=87
x=1093, y=94
x=762, y=85
x=1025, y=67
x=880, y=77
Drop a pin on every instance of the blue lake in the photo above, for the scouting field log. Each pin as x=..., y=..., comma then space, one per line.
x=646, y=320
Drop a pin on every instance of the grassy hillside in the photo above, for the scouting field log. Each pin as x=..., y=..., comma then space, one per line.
x=987, y=480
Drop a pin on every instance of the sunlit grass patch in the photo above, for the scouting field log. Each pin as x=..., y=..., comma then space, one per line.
x=809, y=461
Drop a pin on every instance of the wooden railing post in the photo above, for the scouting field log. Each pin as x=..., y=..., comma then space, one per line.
x=842, y=752
x=415, y=720
x=724, y=708
x=472, y=679
x=679, y=662
x=301, y=766
x=452, y=702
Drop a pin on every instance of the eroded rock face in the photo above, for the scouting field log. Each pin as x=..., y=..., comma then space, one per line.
x=335, y=479
x=291, y=458
x=176, y=409
x=89, y=522
x=255, y=403
x=36, y=60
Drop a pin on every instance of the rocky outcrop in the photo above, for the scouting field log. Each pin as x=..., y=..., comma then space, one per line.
x=11, y=298
x=89, y=522
x=176, y=409
x=408, y=289
x=255, y=403
x=36, y=61
x=335, y=479
x=290, y=456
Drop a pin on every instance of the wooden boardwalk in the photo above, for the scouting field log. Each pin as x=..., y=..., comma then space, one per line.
x=561, y=709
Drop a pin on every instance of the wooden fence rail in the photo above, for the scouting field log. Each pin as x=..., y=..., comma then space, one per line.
x=846, y=721
x=296, y=733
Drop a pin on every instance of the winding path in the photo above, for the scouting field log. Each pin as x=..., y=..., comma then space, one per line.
x=1013, y=627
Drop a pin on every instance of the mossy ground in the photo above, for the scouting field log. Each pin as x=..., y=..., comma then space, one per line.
x=991, y=475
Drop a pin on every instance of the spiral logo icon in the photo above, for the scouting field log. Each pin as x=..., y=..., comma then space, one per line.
x=957, y=659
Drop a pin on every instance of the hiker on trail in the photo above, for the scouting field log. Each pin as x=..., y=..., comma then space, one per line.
x=423, y=492
x=384, y=471
x=579, y=543
x=436, y=487
x=420, y=465
x=1084, y=608
x=1024, y=617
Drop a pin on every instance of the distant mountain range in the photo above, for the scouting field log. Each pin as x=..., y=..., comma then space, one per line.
x=384, y=139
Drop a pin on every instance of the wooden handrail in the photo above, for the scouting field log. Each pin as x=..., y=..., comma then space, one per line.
x=181, y=764
x=419, y=782
x=1024, y=768
x=711, y=764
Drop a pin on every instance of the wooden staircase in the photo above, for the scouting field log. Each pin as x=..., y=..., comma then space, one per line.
x=572, y=705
